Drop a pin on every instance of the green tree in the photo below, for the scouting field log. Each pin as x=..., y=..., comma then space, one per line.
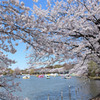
x=92, y=67
x=31, y=71
x=11, y=71
x=58, y=66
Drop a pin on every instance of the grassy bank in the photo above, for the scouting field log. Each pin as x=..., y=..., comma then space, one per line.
x=95, y=78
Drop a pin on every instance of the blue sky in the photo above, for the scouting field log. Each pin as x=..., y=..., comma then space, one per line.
x=19, y=56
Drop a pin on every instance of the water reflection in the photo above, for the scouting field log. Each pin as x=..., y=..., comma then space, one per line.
x=57, y=88
x=94, y=87
x=26, y=98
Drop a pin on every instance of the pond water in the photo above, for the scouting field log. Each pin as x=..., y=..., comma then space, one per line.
x=70, y=89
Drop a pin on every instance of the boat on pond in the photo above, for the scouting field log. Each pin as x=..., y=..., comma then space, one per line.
x=67, y=76
x=47, y=77
x=54, y=74
x=26, y=77
x=40, y=76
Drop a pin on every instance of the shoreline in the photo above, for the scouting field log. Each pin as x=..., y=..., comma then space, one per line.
x=96, y=97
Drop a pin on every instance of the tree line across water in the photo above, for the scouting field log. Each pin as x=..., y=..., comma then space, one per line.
x=93, y=70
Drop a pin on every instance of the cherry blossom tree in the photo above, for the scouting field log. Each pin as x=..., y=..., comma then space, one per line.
x=67, y=29
x=15, y=25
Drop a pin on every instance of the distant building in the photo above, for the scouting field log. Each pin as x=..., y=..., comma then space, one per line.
x=35, y=0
